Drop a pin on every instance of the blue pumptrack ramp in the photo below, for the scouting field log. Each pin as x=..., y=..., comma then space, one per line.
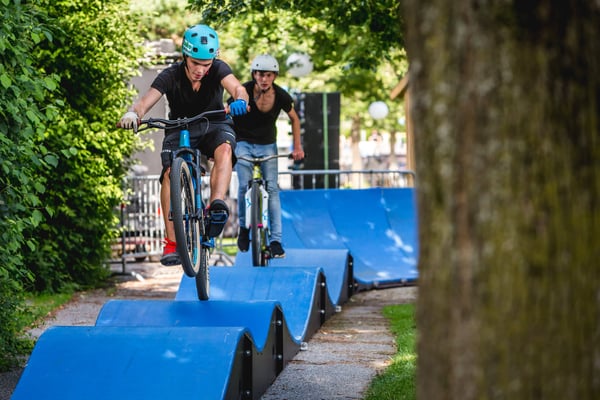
x=301, y=291
x=137, y=363
x=336, y=265
x=234, y=345
x=378, y=227
x=273, y=345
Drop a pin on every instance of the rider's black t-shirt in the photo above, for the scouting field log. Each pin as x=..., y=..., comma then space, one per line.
x=259, y=127
x=184, y=102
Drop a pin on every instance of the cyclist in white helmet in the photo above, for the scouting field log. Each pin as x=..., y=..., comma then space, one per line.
x=191, y=87
x=257, y=137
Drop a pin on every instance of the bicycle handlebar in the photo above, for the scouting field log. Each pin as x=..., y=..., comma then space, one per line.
x=259, y=160
x=162, y=123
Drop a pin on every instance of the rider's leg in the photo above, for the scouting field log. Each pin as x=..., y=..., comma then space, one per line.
x=165, y=204
x=244, y=174
x=170, y=256
x=220, y=175
x=270, y=174
x=220, y=178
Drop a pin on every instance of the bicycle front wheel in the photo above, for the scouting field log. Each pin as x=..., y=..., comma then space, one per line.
x=183, y=209
x=257, y=229
x=203, y=277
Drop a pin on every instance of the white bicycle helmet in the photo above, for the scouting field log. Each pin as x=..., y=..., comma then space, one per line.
x=264, y=62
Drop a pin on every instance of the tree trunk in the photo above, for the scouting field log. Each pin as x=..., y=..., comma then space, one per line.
x=506, y=108
x=392, y=160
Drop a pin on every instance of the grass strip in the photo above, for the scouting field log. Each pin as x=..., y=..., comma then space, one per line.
x=397, y=382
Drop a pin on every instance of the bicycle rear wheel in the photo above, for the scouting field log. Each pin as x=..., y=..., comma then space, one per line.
x=257, y=229
x=183, y=208
x=203, y=277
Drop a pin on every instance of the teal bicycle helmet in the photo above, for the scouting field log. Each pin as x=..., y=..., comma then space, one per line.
x=201, y=42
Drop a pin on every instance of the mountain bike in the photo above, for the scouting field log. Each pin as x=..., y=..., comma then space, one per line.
x=188, y=211
x=257, y=210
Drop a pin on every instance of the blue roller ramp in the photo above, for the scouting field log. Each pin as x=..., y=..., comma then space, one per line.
x=306, y=212
x=130, y=363
x=378, y=227
x=273, y=346
x=336, y=264
x=302, y=293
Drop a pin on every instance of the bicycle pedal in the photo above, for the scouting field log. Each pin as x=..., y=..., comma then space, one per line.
x=208, y=242
x=216, y=222
x=219, y=216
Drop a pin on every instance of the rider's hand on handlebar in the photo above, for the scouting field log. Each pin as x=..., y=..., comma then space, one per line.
x=297, y=154
x=129, y=121
x=238, y=107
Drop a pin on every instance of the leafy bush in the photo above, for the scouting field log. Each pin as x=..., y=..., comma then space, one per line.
x=63, y=76
x=25, y=113
x=93, y=52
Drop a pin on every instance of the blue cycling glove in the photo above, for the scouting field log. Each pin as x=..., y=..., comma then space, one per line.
x=238, y=108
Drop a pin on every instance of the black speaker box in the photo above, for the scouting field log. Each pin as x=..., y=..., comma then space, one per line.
x=320, y=125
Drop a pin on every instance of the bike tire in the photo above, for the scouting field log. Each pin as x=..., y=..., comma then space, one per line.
x=183, y=209
x=256, y=226
x=203, y=275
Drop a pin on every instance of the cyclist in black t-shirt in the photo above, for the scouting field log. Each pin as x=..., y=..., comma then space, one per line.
x=257, y=137
x=191, y=87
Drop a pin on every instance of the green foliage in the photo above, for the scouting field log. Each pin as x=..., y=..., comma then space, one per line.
x=159, y=19
x=357, y=34
x=398, y=381
x=25, y=114
x=63, y=75
x=357, y=47
x=92, y=51
x=40, y=305
x=375, y=26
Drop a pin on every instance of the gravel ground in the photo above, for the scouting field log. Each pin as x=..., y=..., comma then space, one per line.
x=341, y=359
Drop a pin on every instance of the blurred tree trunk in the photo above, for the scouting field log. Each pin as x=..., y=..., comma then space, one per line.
x=506, y=109
x=392, y=160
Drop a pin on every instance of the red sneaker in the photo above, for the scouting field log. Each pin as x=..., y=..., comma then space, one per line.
x=170, y=256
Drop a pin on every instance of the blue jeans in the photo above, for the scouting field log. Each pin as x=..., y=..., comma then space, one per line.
x=270, y=172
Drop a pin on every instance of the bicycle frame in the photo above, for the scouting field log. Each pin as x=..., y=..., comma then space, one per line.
x=256, y=200
x=264, y=196
x=187, y=210
x=193, y=159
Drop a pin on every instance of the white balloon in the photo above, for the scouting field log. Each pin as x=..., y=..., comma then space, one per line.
x=378, y=110
x=299, y=64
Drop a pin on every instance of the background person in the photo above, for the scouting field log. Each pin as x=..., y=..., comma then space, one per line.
x=257, y=137
x=193, y=86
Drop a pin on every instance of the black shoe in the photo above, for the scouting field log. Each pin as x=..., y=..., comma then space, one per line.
x=277, y=250
x=243, y=240
x=218, y=213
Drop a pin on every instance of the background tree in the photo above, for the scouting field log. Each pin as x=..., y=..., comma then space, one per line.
x=356, y=47
x=506, y=105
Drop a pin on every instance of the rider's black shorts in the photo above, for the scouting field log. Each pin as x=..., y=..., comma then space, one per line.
x=204, y=136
